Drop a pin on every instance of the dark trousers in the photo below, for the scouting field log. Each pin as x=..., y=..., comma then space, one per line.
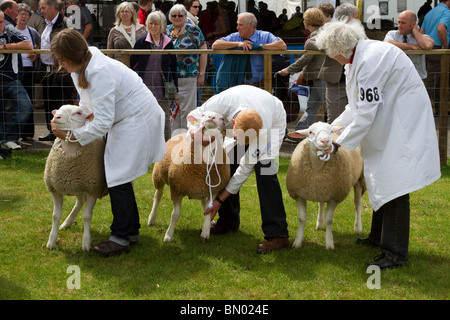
x=390, y=228
x=273, y=214
x=125, y=212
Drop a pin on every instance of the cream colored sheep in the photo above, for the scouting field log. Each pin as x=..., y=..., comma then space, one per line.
x=310, y=178
x=76, y=171
x=184, y=169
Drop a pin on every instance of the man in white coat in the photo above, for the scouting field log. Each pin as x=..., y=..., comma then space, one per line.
x=390, y=116
x=237, y=104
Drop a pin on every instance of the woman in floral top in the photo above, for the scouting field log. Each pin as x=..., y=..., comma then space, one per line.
x=190, y=67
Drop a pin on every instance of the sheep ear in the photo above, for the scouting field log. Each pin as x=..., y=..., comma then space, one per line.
x=54, y=111
x=90, y=116
x=338, y=129
x=299, y=133
x=191, y=118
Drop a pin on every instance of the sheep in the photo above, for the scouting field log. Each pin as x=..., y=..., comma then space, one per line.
x=74, y=170
x=323, y=180
x=184, y=169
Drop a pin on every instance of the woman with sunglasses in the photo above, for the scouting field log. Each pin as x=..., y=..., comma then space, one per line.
x=193, y=8
x=190, y=67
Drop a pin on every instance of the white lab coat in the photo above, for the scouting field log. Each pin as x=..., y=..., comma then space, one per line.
x=126, y=110
x=271, y=110
x=390, y=115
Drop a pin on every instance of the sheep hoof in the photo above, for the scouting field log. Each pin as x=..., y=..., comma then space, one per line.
x=50, y=246
x=167, y=239
x=358, y=228
x=205, y=239
x=330, y=246
x=296, y=244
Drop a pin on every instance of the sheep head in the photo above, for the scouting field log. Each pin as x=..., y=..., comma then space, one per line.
x=69, y=117
x=320, y=135
x=213, y=121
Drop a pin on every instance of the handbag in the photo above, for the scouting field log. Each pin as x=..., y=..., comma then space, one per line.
x=169, y=87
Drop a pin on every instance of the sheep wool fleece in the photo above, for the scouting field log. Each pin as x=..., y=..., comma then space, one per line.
x=82, y=172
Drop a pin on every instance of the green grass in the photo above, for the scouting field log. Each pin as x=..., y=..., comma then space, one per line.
x=227, y=267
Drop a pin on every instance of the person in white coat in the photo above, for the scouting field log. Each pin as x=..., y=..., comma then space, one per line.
x=128, y=114
x=389, y=115
x=245, y=107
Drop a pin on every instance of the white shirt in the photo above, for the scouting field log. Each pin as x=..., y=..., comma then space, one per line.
x=417, y=60
x=389, y=114
x=45, y=41
x=270, y=108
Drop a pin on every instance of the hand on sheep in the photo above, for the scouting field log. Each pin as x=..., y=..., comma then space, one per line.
x=197, y=135
x=217, y=204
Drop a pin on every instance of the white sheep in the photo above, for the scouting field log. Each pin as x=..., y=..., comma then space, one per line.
x=184, y=169
x=74, y=170
x=310, y=178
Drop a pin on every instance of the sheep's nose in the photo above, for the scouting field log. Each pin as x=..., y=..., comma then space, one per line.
x=324, y=141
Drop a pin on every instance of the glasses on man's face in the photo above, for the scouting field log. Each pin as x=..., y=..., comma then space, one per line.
x=177, y=16
x=196, y=7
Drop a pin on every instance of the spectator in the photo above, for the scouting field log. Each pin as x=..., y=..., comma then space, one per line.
x=28, y=62
x=409, y=37
x=56, y=84
x=297, y=13
x=257, y=117
x=126, y=30
x=11, y=89
x=246, y=38
x=146, y=7
x=222, y=23
x=190, y=67
x=86, y=24
x=327, y=10
x=193, y=8
x=9, y=8
x=310, y=66
x=208, y=19
x=36, y=20
x=283, y=18
x=436, y=24
x=423, y=10
x=151, y=67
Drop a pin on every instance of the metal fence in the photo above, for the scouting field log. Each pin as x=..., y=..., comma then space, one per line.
x=274, y=60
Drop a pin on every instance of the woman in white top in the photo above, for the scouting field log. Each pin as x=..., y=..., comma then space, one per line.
x=124, y=109
x=127, y=29
x=389, y=114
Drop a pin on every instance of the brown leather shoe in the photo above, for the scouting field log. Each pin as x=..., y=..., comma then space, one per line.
x=111, y=248
x=273, y=244
x=219, y=229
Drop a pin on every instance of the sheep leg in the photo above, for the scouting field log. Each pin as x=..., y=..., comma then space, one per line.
x=301, y=204
x=87, y=218
x=176, y=212
x=73, y=214
x=331, y=206
x=358, y=207
x=206, y=228
x=320, y=216
x=156, y=200
x=56, y=217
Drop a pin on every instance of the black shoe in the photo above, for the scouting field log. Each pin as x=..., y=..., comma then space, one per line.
x=219, y=229
x=49, y=137
x=384, y=262
x=367, y=242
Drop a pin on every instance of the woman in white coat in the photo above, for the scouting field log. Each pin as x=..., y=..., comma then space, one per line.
x=389, y=114
x=124, y=110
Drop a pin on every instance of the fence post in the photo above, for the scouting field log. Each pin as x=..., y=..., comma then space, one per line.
x=443, y=108
x=268, y=72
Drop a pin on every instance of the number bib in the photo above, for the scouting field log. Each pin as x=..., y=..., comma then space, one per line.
x=369, y=94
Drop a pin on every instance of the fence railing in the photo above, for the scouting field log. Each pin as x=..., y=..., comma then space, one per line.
x=442, y=124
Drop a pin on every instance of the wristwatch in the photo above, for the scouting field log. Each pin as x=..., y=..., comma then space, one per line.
x=4, y=46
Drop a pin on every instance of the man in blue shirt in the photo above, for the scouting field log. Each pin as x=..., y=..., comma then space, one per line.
x=246, y=36
x=436, y=24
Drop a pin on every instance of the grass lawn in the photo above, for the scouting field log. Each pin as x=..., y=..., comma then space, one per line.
x=227, y=267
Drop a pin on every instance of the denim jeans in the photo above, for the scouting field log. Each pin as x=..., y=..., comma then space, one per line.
x=11, y=126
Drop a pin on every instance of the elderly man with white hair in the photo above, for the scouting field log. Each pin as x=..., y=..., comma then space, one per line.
x=389, y=115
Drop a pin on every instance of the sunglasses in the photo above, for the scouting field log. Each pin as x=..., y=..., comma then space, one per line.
x=196, y=7
x=177, y=15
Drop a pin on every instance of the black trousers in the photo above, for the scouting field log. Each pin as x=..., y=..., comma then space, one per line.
x=271, y=204
x=125, y=212
x=390, y=228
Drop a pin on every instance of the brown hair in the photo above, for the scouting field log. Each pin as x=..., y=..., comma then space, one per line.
x=249, y=121
x=70, y=45
x=314, y=17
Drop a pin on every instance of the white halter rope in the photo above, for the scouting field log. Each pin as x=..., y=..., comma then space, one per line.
x=320, y=153
x=69, y=121
x=209, y=168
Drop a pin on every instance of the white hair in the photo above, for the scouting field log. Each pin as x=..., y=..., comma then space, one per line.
x=340, y=38
x=177, y=8
x=345, y=12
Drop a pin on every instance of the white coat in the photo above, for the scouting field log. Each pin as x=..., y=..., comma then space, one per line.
x=270, y=108
x=126, y=110
x=390, y=115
